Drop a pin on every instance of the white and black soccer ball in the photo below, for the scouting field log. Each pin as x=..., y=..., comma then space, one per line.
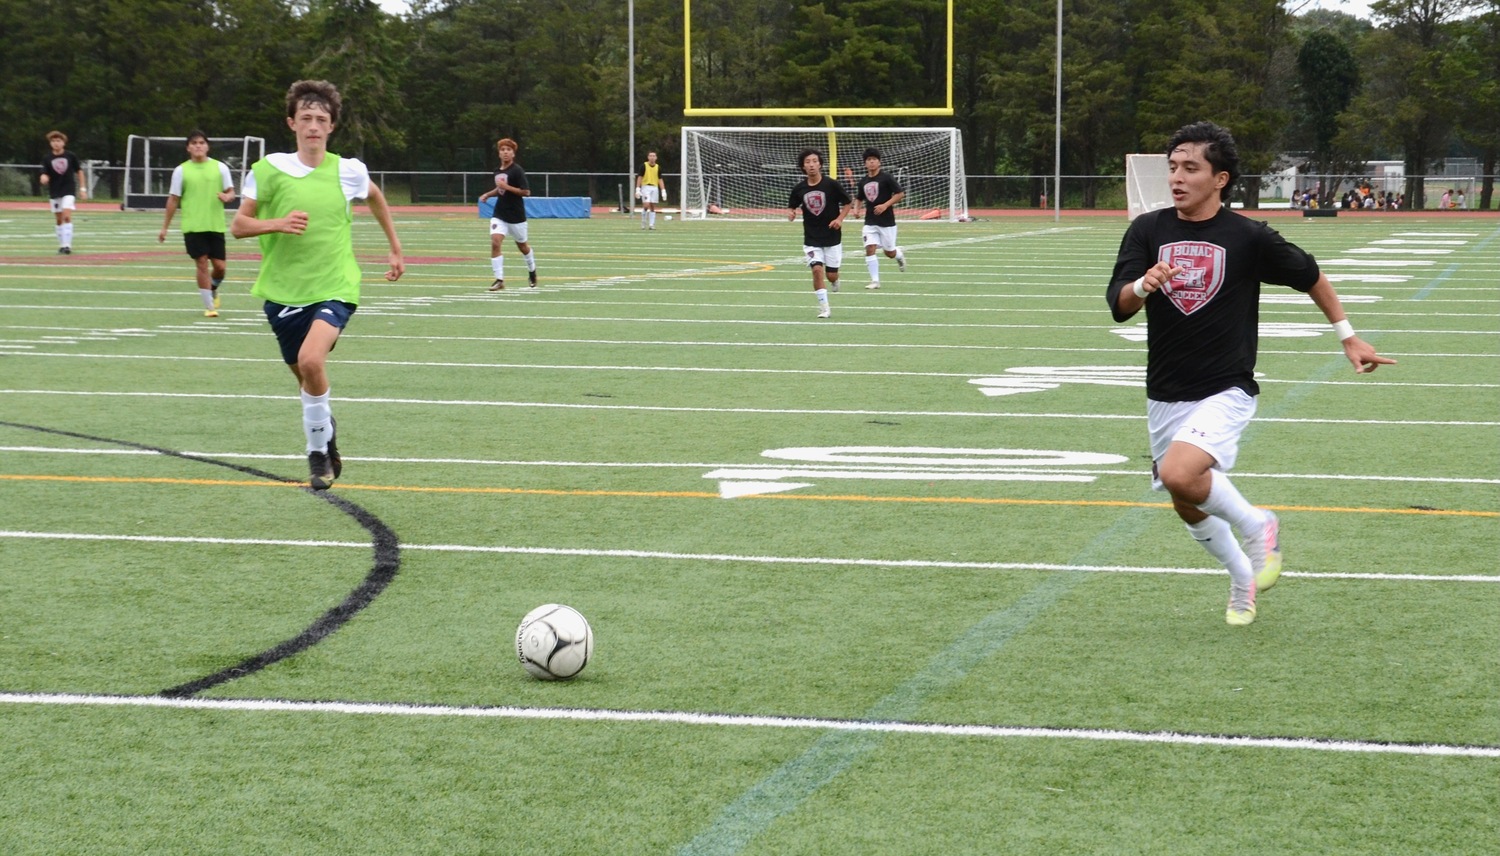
x=554, y=642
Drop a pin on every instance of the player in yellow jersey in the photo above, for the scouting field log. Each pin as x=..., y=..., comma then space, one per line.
x=201, y=185
x=650, y=190
x=299, y=205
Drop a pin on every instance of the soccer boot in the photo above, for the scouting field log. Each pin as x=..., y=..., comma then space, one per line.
x=872, y=286
x=497, y=285
x=210, y=313
x=1265, y=552
x=824, y=313
x=334, y=459
x=1241, y=610
x=320, y=471
x=531, y=278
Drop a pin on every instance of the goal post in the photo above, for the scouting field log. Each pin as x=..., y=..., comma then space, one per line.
x=149, y=162
x=1146, y=186
x=739, y=173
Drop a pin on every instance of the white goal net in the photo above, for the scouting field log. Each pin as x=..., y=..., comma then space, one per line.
x=149, y=162
x=747, y=173
x=1146, y=184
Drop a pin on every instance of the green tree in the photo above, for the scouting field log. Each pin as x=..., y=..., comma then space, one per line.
x=1327, y=81
x=361, y=51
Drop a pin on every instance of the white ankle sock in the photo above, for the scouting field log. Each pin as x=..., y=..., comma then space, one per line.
x=497, y=265
x=872, y=264
x=530, y=261
x=207, y=296
x=317, y=421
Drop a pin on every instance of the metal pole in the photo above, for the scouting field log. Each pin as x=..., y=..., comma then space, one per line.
x=1057, y=139
x=630, y=156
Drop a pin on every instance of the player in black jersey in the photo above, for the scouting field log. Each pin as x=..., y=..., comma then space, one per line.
x=510, y=192
x=824, y=206
x=1197, y=269
x=62, y=175
x=879, y=192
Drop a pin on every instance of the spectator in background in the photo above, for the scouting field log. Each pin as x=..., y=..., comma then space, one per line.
x=1460, y=201
x=1447, y=201
x=62, y=175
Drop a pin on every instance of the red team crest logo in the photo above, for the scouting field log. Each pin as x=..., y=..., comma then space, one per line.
x=1202, y=273
x=60, y=165
x=872, y=190
x=814, y=202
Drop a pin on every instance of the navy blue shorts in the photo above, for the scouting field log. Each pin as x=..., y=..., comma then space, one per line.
x=291, y=323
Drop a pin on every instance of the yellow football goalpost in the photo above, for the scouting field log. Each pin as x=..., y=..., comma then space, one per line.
x=934, y=164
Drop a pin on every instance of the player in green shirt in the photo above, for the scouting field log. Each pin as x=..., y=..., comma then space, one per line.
x=201, y=185
x=300, y=206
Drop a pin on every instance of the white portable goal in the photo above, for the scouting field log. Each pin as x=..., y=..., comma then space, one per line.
x=149, y=162
x=748, y=173
x=1146, y=186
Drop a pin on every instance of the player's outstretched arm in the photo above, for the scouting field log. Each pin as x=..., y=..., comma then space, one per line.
x=1360, y=353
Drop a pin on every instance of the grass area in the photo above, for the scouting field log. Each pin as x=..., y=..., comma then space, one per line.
x=893, y=582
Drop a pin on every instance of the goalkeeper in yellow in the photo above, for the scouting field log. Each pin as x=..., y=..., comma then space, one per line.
x=650, y=190
x=300, y=206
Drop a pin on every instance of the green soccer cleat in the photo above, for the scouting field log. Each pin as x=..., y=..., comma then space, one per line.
x=1241, y=609
x=1265, y=553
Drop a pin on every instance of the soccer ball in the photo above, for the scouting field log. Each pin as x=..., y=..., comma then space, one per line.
x=669, y=216
x=554, y=642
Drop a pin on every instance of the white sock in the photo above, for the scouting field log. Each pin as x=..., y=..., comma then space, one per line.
x=645, y=213
x=67, y=234
x=900, y=255
x=1215, y=536
x=653, y=219
x=317, y=421
x=497, y=264
x=872, y=264
x=1224, y=500
x=530, y=261
x=822, y=295
x=58, y=230
x=207, y=295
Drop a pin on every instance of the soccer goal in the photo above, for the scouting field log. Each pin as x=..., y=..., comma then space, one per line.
x=1146, y=184
x=149, y=162
x=747, y=173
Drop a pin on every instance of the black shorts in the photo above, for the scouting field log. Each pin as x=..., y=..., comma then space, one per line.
x=200, y=244
x=291, y=323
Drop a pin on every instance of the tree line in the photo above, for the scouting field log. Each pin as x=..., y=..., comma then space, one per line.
x=433, y=88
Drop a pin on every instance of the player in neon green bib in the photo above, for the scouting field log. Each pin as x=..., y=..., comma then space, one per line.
x=201, y=185
x=299, y=205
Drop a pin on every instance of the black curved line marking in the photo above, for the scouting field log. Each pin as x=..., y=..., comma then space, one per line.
x=387, y=562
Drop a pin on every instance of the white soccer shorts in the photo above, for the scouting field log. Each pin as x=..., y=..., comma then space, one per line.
x=883, y=237
x=515, y=231
x=829, y=257
x=1213, y=424
x=650, y=194
x=62, y=203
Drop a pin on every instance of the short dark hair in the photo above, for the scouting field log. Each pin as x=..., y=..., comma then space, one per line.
x=802, y=157
x=317, y=92
x=872, y=152
x=57, y=135
x=1218, y=147
x=197, y=134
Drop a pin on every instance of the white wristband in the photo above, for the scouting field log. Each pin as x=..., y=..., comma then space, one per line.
x=1344, y=329
x=1139, y=287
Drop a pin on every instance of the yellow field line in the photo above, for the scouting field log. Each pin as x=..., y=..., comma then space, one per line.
x=697, y=494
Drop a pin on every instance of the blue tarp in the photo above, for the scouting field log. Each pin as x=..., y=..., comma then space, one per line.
x=543, y=207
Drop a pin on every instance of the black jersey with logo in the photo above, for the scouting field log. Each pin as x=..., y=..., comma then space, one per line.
x=878, y=190
x=511, y=207
x=820, y=204
x=1202, y=330
x=62, y=171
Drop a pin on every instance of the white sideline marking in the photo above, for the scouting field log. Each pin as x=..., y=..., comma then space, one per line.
x=772, y=411
x=699, y=465
x=748, y=721
x=729, y=557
